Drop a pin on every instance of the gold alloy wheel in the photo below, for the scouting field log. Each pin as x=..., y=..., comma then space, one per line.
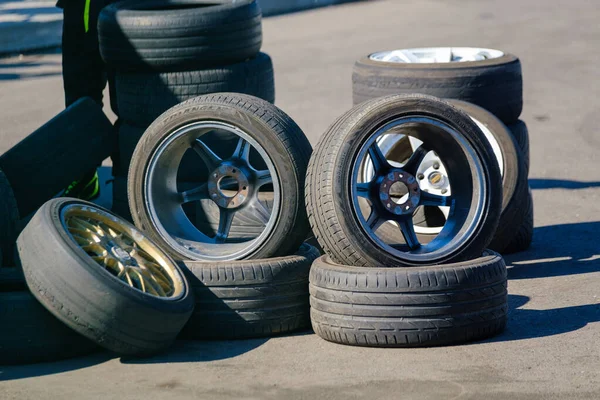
x=122, y=250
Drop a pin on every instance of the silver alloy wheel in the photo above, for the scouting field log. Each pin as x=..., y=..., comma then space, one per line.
x=431, y=173
x=232, y=185
x=428, y=55
x=386, y=206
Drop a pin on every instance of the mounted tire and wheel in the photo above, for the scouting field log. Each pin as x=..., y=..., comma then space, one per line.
x=488, y=78
x=409, y=307
x=178, y=35
x=103, y=278
x=245, y=149
x=250, y=298
x=346, y=210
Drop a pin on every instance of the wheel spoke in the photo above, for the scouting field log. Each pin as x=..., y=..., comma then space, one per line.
x=408, y=231
x=362, y=190
x=429, y=199
x=242, y=150
x=260, y=211
x=211, y=160
x=225, y=219
x=263, y=178
x=374, y=221
x=377, y=158
x=198, y=193
x=412, y=165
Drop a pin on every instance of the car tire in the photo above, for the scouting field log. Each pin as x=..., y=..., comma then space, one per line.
x=143, y=97
x=32, y=335
x=328, y=191
x=409, y=307
x=55, y=252
x=47, y=161
x=495, y=84
x=178, y=35
x=250, y=298
x=524, y=234
x=521, y=134
x=270, y=128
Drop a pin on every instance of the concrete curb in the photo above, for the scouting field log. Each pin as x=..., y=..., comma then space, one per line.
x=29, y=25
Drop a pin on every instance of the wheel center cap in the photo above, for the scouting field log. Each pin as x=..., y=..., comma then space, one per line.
x=228, y=186
x=402, y=204
x=121, y=254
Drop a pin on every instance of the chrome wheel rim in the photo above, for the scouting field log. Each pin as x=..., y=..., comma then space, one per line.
x=431, y=166
x=232, y=184
x=122, y=251
x=375, y=202
x=429, y=55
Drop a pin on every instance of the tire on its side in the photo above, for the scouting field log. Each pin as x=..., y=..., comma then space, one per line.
x=409, y=307
x=495, y=84
x=145, y=96
x=31, y=334
x=90, y=300
x=250, y=298
x=178, y=35
x=47, y=161
x=271, y=128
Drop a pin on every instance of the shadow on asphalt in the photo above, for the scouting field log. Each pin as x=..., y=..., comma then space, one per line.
x=558, y=250
x=528, y=324
x=18, y=70
x=200, y=351
x=537, y=184
x=32, y=370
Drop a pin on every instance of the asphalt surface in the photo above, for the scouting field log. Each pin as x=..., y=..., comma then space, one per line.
x=551, y=348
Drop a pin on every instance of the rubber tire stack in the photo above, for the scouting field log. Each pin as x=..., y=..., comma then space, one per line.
x=168, y=51
x=262, y=293
x=495, y=84
x=362, y=294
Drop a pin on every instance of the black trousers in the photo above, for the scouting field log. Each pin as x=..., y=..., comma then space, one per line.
x=84, y=72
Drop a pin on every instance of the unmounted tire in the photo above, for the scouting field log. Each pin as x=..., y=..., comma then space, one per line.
x=495, y=84
x=61, y=151
x=31, y=334
x=144, y=96
x=409, y=307
x=56, y=253
x=251, y=298
x=178, y=35
x=521, y=134
x=524, y=234
x=282, y=140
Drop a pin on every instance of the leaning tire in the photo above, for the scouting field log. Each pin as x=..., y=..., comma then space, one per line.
x=267, y=134
x=31, y=334
x=332, y=191
x=521, y=134
x=47, y=161
x=9, y=217
x=409, y=307
x=136, y=318
x=524, y=234
x=143, y=97
x=178, y=35
x=494, y=84
x=251, y=298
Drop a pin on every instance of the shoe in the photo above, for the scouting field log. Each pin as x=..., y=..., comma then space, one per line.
x=87, y=188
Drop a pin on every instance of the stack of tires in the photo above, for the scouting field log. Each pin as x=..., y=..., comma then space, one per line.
x=486, y=84
x=237, y=228
x=405, y=193
x=168, y=51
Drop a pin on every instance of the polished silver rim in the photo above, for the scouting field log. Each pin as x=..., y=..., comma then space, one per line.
x=431, y=173
x=429, y=55
x=232, y=184
x=390, y=191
